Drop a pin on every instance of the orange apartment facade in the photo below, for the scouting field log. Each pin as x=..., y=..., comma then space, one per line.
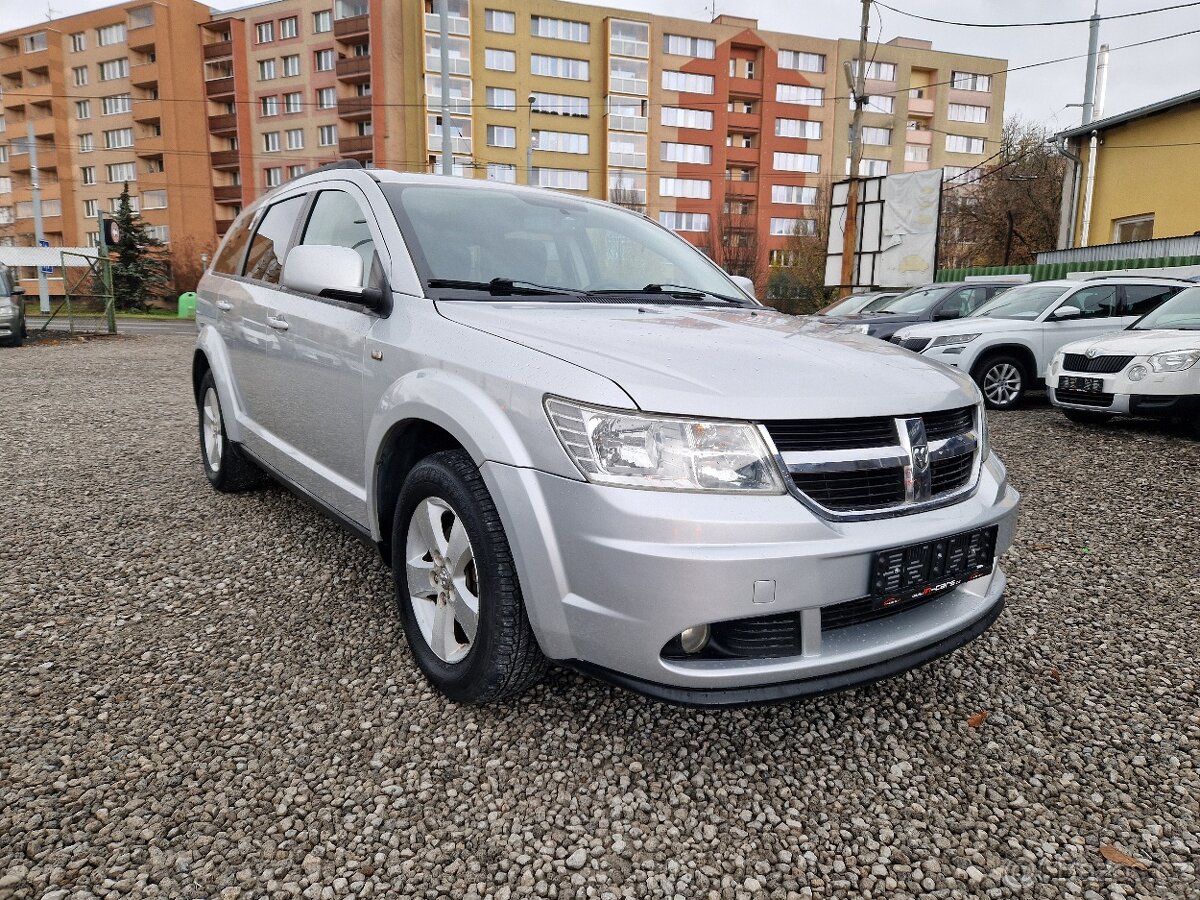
x=720, y=130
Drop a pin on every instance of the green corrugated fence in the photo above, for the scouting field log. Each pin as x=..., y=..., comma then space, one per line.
x=1062, y=270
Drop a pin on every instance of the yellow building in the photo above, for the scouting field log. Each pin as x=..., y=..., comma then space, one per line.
x=1142, y=184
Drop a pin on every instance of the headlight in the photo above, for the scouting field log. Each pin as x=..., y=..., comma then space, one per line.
x=632, y=449
x=1174, y=361
x=853, y=329
x=947, y=340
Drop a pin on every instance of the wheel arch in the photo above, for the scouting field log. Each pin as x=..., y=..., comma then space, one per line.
x=1020, y=352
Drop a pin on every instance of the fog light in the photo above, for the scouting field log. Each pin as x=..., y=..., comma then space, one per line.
x=693, y=639
x=1137, y=373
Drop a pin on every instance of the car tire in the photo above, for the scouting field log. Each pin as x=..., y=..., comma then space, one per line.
x=449, y=553
x=226, y=466
x=1003, y=381
x=1083, y=417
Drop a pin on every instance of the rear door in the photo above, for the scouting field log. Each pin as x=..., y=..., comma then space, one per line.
x=1138, y=299
x=1097, y=305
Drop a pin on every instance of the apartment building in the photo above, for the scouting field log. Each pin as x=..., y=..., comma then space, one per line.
x=113, y=97
x=725, y=132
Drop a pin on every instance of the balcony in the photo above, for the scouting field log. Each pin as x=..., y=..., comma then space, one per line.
x=223, y=225
x=225, y=159
x=737, y=188
x=352, y=27
x=739, y=154
x=913, y=166
x=354, y=107
x=357, y=145
x=920, y=106
x=144, y=74
x=226, y=123
x=354, y=68
x=149, y=180
x=219, y=88
x=218, y=50
x=35, y=93
x=918, y=136
x=228, y=193
x=457, y=24
x=740, y=121
x=47, y=158
x=147, y=110
x=745, y=87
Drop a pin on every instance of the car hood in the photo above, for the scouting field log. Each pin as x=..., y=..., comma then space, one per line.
x=969, y=325
x=1138, y=343
x=724, y=363
x=870, y=318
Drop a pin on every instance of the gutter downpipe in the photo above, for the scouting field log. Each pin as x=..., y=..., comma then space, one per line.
x=1070, y=205
x=1093, y=147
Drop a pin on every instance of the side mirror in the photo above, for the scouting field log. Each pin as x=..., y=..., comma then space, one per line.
x=745, y=284
x=1066, y=312
x=327, y=271
x=16, y=290
x=943, y=315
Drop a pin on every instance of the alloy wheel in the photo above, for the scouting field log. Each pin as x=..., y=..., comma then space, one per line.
x=1002, y=383
x=214, y=438
x=443, y=582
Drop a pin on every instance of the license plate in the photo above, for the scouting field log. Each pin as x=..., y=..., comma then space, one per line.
x=922, y=571
x=1075, y=383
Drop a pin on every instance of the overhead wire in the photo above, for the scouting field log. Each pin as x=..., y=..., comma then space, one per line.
x=1129, y=15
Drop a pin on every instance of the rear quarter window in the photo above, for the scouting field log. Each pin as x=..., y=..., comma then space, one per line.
x=1143, y=298
x=233, y=250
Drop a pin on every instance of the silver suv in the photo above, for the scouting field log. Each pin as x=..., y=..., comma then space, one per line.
x=575, y=439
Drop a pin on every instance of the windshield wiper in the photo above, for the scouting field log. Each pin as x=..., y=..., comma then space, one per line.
x=504, y=287
x=680, y=291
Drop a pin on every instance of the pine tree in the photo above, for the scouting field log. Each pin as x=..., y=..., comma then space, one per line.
x=139, y=269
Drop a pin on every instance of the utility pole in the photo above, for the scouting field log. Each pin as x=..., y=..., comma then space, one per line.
x=35, y=182
x=444, y=22
x=529, y=146
x=858, y=90
x=1089, y=84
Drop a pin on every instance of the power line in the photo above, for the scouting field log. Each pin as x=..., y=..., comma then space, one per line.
x=1143, y=12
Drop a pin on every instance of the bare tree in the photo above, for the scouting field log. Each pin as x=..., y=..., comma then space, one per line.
x=1005, y=213
x=187, y=265
x=797, y=282
x=733, y=244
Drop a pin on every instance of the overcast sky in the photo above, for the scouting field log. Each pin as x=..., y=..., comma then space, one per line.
x=1137, y=76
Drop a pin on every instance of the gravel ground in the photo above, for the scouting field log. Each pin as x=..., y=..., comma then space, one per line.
x=210, y=696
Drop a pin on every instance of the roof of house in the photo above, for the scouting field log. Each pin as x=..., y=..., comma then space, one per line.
x=1141, y=112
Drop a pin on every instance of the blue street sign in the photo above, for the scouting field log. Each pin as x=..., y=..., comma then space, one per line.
x=46, y=270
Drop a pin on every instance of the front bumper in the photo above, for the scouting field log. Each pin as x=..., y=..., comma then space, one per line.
x=610, y=575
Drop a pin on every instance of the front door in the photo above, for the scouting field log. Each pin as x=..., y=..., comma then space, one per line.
x=1097, y=315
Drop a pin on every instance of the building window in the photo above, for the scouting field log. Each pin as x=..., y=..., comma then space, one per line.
x=293, y=102
x=291, y=65
x=878, y=71
x=161, y=233
x=686, y=82
x=626, y=149
x=273, y=177
x=110, y=34
x=558, y=67
x=801, y=62
x=869, y=168
x=683, y=221
x=685, y=45
x=79, y=75
x=797, y=162
x=289, y=27
x=323, y=60
x=270, y=105
x=629, y=76
x=85, y=143
x=916, y=152
x=695, y=188
x=963, y=112
x=501, y=21
x=114, y=204
x=118, y=172
x=266, y=69
x=559, y=29
x=501, y=136
x=629, y=38
x=327, y=136
x=961, y=143
x=322, y=21
x=458, y=55
x=118, y=139
x=793, y=226
x=1133, y=228
x=78, y=42
x=264, y=32
x=807, y=129
x=801, y=94
x=35, y=42
x=956, y=174
x=295, y=171
x=877, y=103
x=87, y=174
x=347, y=9
x=880, y=137
x=697, y=154
x=968, y=81
x=113, y=69
x=560, y=105
x=499, y=60
x=678, y=117
x=502, y=172
x=83, y=109
x=793, y=194
x=154, y=200
x=326, y=98
x=271, y=142
x=91, y=208
x=562, y=179
x=117, y=104
x=560, y=142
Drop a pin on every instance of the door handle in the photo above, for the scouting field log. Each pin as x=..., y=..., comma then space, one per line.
x=279, y=324
x=224, y=305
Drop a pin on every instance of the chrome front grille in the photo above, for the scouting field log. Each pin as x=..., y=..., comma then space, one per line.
x=870, y=467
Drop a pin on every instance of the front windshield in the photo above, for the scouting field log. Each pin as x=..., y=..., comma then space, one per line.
x=1181, y=312
x=1026, y=301
x=879, y=302
x=915, y=301
x=476, y=234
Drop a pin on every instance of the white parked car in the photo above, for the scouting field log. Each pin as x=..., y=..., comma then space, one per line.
x=1150, y=369
x=1006, y=345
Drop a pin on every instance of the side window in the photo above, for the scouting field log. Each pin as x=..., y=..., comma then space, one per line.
x=1139, y=299
x=233, y=251
x=267, y=250
x=337, y=220
x=962, y=302
x=1094, y=302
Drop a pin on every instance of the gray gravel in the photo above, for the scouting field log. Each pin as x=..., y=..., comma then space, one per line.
x=210, y=696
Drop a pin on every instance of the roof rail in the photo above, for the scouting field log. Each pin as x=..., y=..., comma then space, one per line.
x=1138, y=277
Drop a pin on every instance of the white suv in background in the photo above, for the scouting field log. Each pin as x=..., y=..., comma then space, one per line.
x=1006, y=345
x=1150, y=369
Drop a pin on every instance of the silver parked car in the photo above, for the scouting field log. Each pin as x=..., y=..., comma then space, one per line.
x=12, y=308
x=576, y=439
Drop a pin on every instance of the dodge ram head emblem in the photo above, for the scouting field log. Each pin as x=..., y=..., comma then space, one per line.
x=920, y=456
